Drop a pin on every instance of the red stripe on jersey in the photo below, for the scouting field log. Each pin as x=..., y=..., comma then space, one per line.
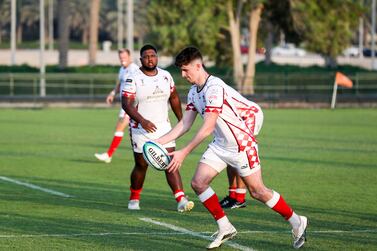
x=240, y=102
x=190, y=107
x=128, y=94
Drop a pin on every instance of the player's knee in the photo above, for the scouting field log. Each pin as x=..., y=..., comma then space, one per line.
x=196, y=185
x=258, y=193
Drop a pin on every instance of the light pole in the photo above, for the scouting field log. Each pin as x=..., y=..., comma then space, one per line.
x=13, y=33
x=130, y=26
x=42, y=69
x=120, y=24
x=374, y=66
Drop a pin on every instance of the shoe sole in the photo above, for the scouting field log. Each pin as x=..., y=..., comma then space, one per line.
x=226, y=238
x=302, y=239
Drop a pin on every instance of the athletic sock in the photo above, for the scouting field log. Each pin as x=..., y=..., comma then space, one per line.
x=278, y=204
x=232, y=192
x=179, y=194
x=118, y=136
x=135, y=193
x=240, y=194
x=211, y=202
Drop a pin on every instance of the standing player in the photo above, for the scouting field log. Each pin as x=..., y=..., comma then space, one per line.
x=234, y=145
x=145, y=98
x=252, y=114
x=127, y=68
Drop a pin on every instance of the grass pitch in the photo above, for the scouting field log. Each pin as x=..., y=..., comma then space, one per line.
x=323, y=162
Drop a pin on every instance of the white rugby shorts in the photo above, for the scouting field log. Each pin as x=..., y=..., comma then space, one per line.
x=219, y=159
x=139, y=137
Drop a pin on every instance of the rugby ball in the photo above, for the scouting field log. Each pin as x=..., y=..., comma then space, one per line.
x=156, y=155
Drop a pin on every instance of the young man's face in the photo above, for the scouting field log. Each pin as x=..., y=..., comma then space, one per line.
x=124, y=59
x=190, y=71
x=149, y=59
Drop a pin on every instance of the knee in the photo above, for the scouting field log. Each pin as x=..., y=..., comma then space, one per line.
x=197, y=186
x=259, y=193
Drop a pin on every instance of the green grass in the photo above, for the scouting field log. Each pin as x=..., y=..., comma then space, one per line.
x=323, y=162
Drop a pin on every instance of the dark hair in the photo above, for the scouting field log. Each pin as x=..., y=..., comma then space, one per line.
x=187, y=55
x=147, y=47
x=121, y=50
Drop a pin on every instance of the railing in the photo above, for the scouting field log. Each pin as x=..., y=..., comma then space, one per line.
x=274, y=85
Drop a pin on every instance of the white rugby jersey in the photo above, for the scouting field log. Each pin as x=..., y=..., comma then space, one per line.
x=124, y=72
x=151, y=95
x=231, y=131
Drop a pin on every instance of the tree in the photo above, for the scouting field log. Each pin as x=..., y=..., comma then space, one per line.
x=63, y=32
x=252, y=8
x=5, y=16
x=79, y=19
x=93, y=30
x=326, y=26
x=175, y=24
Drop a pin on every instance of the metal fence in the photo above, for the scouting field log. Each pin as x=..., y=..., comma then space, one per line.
x=299, y=86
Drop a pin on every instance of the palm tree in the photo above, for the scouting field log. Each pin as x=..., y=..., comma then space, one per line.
x=80, y=18
x=4, y=16
x=63, y=31
x=93, y=30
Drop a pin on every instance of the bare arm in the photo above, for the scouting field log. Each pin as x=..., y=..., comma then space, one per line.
x=181, y=128
x=129, y=108
x=205, y=130
x=175, y=103
x=111, y=95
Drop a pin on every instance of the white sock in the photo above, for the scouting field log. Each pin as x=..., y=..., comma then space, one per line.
x=224, y=223
x=295, y=221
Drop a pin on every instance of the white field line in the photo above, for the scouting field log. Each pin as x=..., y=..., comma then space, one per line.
x=35, y=187
x=196, y=234
x=174, y=233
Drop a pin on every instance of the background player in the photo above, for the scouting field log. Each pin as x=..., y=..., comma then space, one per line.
x=233, y=145
x=126, y=69
x=145, y=98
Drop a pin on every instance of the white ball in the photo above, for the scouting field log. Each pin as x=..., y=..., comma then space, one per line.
x=156, y=155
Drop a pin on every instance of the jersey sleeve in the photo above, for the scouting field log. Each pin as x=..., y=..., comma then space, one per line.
x=214, y=99
x=171, y=83
x=129, y=88
x=190, y=103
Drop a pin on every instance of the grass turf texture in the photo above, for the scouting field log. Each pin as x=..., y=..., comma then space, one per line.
x=323, y=162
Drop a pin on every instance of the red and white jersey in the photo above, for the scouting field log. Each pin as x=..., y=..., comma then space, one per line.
x=125, y=72
x=232, y=132
x=151, y=94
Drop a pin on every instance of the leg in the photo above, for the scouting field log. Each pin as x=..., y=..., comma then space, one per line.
x=230, y=200
x=175, y=182
x=118, y=136
x=137, y=180
x=275, y=201
x=200, y=183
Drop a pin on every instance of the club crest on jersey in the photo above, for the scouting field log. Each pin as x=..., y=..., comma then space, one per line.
x=157, y=90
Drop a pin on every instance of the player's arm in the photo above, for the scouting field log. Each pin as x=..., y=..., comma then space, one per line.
x=130, y=109
x=111, y=95
x=180, y=129
x=205, y=130
x=175, y=103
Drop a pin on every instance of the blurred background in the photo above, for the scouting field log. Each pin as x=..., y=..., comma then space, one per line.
x=276, y=52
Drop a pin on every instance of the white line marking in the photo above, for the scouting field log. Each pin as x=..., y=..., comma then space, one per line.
x=175, y=233
x=196, y=234
x=35, y=187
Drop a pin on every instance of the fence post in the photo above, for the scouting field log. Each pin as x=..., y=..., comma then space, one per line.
x=11, y=85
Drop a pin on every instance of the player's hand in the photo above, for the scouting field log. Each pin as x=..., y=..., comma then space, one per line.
x=148, y=126
x=178, y=158
x=110, y=99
